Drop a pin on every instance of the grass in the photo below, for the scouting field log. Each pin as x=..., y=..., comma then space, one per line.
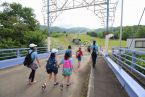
x=63, y=41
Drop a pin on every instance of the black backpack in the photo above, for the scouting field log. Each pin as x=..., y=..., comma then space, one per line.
x=28, y=60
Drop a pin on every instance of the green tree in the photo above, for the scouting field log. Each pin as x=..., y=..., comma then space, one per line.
x=36, y=37
x=15, y=23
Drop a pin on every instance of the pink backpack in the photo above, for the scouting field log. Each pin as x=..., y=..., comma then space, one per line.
x=67, y=64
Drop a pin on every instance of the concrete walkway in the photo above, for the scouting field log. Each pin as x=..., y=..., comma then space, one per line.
x=13, y=82
x=105, y=82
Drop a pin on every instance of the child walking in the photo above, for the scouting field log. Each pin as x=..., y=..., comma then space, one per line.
x=67, y=70
x=79, y=55
x=51, y=68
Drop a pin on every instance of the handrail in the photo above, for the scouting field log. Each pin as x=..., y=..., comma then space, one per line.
x=131, y=62
x=128, y=83
x=18, y=52
x=19, y=60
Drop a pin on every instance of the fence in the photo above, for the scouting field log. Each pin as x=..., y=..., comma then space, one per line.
x=18, y=52
x=132, y=61
x=13, y=57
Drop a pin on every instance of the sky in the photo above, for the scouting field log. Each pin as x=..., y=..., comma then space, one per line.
x=85, y=18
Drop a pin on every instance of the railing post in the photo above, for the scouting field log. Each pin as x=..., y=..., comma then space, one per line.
x=37, y=50
x=112, y=51
x=119, y=53
x=18, y=53
x=133, y=59
x=119, y=58
x=47, y=50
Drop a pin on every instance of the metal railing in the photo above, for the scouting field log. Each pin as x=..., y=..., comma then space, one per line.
x=131, y=60
x=18, y=52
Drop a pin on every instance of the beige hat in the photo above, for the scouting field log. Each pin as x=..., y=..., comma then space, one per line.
x=32, y=45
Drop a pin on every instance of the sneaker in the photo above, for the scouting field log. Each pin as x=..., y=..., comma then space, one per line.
x=44, y=86
x=33, y=82
x=56, y=84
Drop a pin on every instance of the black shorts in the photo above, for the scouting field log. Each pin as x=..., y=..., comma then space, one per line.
x=79, y=58
x=55, y=71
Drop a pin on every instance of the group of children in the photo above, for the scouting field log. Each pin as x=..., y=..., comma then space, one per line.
x=67, y=65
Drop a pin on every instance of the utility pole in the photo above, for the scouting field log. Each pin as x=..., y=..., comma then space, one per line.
x=107, y=30
x=107, y=23
x=49, y=26
x=120, y=38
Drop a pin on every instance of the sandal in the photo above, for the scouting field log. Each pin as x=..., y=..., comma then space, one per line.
x=56, y=84
x=68, y=84
x=44, y=86
x=61, y=87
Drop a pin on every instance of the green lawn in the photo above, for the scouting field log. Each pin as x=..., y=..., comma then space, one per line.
x=64, y=41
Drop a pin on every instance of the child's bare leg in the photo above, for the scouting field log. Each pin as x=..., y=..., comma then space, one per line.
x=79, y=63
x=49, y=77
x=68, y=80
x=63, y=82
x=64, y=79
x=47, y=80
x=55, y=79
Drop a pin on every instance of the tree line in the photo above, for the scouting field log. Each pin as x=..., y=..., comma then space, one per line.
x=18, y=27
x=128, y=32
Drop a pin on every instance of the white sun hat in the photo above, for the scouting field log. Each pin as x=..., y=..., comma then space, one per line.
x=32, y=45
x=54, y=50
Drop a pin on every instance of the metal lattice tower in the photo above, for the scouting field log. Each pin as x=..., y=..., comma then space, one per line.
x=103, y=9
x=98, y=7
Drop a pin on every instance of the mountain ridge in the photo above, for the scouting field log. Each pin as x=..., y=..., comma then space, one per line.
x=68, y=30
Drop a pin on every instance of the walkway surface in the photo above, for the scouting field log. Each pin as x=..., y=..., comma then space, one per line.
x=13, y=82
x=105, y=82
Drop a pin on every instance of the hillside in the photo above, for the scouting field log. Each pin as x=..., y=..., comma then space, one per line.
x=69, y=30
x=63, y=40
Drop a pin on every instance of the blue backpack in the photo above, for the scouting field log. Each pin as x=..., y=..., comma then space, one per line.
x=51, y=64
x=95, y=49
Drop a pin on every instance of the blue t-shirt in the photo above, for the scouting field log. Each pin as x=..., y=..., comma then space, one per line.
x=33, y=55
x=94, y=47
x=69, y=51
x=70, y=59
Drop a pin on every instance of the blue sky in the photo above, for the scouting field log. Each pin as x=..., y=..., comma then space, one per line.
x=84, y=18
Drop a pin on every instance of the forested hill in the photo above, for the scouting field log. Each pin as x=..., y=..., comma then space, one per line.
x=68, y=30
x=128, y=31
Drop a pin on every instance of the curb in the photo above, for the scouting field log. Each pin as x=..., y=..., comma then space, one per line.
x=90, y=92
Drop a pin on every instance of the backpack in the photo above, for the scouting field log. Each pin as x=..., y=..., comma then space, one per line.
x=28, y=60
x=51, y=64
x=67, y=64
x=94, y=50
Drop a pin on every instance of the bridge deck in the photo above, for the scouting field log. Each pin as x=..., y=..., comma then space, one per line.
x=105, y=82
x=13, y=82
